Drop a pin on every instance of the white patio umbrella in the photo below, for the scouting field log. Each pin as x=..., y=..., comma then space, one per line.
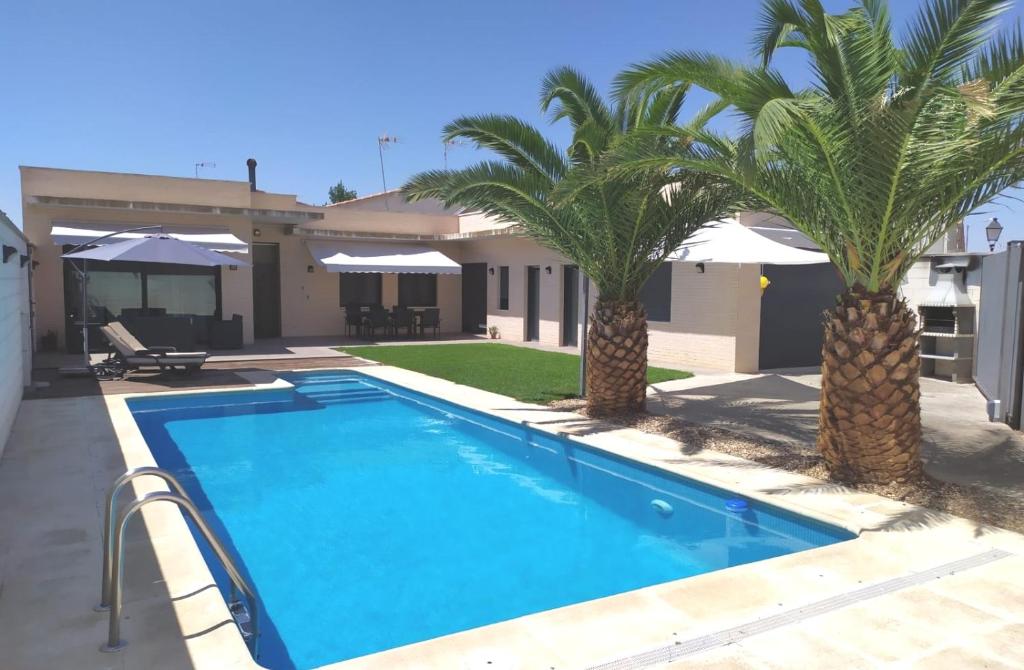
x=157, y=248
x=729, y=241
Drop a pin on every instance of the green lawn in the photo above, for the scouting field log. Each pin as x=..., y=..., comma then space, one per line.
x=529, y=375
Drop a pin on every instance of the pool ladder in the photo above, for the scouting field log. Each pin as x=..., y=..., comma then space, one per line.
x=247, y=618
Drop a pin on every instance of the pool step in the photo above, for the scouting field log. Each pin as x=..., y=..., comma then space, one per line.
x=330, y=387
x=337, y=397
x=337, y=379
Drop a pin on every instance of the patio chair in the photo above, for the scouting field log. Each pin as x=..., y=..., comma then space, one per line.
x=132, y=355
x=431, y=318
x=377, y=317
x=402, y=317
x=353, y=318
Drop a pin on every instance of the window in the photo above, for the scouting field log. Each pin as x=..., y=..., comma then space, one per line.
x=182, y=294
x=417, y=290
x=110, y=292
x=656, y=295
x=360, y=287
x=503, y=287
x=119, y=288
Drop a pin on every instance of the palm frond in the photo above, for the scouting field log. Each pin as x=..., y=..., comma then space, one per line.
x=779, y=25
x=616, y=225
x=519, y=143
x=892, y=144
x=567, y=94
x=944, y=37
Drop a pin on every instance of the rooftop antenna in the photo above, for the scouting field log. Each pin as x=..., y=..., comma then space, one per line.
x=451, y=143
x=381, y=142
x=204, y=164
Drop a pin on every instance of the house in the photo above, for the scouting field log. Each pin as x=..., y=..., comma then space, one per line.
x=308, y=261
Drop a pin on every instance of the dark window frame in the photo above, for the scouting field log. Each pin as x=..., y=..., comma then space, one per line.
x=73, y=298
x=656, y=294
x=411, y=291
x=361, y=295
x=503, y=284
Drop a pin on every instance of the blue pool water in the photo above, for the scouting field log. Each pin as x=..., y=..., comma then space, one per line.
x=368, y=516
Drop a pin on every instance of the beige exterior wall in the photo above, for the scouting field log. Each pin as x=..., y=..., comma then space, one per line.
x=476, y=222
x=519, y=253
x=121, y=186
x=309, y=300
x=715, y=315
x=48, y=278
x=390, y=223
x=357, y=216
x=48, y=282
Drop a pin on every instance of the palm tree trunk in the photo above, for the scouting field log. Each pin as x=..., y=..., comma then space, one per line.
x=870, y=415
x=617, y=358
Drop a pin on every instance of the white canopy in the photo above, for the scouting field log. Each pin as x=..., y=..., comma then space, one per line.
x=381, y=257
x=214, y=238
x=155, y=249
x=729, y=241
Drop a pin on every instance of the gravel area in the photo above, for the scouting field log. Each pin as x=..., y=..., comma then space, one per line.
x=983, y=506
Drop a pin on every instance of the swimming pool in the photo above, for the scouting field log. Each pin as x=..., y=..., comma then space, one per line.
x=368, y=516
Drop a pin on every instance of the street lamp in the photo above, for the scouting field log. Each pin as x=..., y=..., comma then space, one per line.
x=992, y=232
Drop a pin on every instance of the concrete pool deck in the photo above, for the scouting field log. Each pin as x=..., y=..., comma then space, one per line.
x=960, y=444
x=915, y=589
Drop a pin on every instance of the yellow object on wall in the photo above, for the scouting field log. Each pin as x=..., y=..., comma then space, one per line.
x=765, y=283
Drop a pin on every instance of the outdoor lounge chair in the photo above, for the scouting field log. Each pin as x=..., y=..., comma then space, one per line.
x=132, y=355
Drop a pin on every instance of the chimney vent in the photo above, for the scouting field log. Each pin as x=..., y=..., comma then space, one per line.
x=252, y=173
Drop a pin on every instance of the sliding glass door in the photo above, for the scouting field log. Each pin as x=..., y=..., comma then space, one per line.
x=130, y=290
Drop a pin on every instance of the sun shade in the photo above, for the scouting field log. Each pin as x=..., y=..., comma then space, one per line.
x=214, y=238
x=728, y=241
x=156, y=249
x=381, y=257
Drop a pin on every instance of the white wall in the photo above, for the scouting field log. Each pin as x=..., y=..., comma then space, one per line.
x=518, y=253
x=716, y=315
x=716, y=318
x=15, y=344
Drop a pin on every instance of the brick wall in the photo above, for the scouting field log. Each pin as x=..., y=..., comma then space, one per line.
x=716, y=315
x=715, y=318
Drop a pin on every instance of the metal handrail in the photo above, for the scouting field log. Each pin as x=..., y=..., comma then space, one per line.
x=108, y=520
x=114, y=641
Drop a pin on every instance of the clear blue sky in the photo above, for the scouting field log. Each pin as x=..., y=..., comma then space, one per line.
x=306, y=87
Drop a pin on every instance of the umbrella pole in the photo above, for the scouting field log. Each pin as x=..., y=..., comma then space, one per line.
x=584, y=315
x=84, y=272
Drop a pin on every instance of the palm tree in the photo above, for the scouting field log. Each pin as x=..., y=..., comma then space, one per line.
x=617, y=228
x=890, y=145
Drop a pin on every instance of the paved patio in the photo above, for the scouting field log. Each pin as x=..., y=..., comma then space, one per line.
x=960, y=444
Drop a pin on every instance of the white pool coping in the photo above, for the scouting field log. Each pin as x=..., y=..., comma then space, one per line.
x=620, y=626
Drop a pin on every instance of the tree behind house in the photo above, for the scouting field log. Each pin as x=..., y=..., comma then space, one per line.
x=338, y=193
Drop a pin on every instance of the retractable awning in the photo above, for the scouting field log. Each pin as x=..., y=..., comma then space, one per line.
x=213, y=238
x=381, y=257
x=729, y=241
